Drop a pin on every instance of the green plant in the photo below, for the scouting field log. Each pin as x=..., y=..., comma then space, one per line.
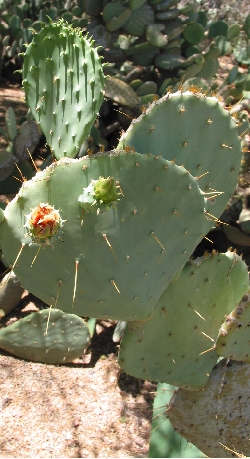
x=127, y=221
x=30, y=338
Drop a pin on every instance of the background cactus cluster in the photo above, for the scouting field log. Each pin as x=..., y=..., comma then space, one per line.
x=113, y=233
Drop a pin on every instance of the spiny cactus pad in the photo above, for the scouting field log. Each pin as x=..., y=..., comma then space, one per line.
x=177, y=344
x=47, y=336
x=233, y=340
x=195, y=131
x=63, y=83
x=110, y=263
x=216, y=418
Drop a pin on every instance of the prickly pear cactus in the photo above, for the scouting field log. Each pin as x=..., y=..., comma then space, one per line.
x=47, y=336
x=177, y=344
x=195, y=131
x=216, y=419
x=108, y=232
x=63, y=82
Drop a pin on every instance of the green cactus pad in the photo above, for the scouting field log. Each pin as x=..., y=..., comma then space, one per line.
x=218, y=28
x=177, y=344
x=63, y=83
x=216, y=418
x=115, y=263
x=233, y=340
x=193, y=33
x=195, y=131
x=48, y=336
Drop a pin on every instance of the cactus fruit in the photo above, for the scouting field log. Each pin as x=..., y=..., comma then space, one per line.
x=177, y=344
x=209, y=148
x=62, y=76
x=216, y=418
x=47, y=336
x=99, y=194
x=142, y=233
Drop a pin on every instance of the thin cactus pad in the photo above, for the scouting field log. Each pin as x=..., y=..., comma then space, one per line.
x=63, y=82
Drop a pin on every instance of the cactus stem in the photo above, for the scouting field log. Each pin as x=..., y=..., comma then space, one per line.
x=75, y=282
x=114, y=284
x=110, y=246
x=157, y=240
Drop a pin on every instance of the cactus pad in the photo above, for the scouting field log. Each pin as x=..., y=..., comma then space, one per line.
x=48, y=336
x=177, y=344
x=62, y=76
x=195, y=131
x=114, y=261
